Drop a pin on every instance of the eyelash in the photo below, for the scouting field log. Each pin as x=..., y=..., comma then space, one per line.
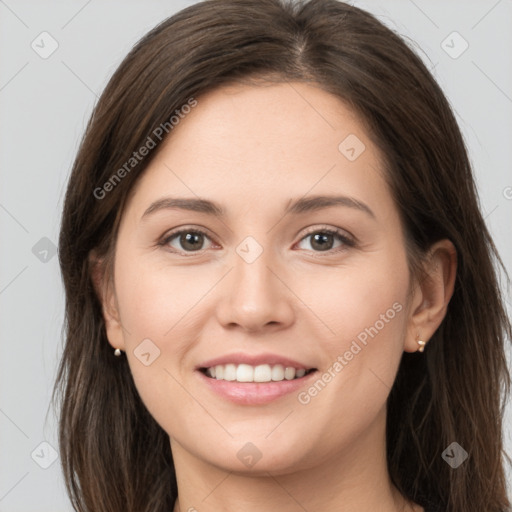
x=347, y=242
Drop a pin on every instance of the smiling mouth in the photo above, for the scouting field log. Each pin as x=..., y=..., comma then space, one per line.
x=259, y=373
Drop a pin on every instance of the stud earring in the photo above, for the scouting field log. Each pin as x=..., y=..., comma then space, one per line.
x=117, y=352
x=422, y=344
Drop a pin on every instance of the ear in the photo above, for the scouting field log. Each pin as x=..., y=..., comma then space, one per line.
x=104, y=286
x=431, y=296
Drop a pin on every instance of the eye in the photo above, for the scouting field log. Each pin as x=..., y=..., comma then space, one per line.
x=189, y=240
x=322, y=240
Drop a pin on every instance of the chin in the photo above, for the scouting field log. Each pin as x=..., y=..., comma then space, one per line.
x=257, y=457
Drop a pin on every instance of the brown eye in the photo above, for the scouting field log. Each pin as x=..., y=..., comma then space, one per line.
x=324, y=240
x=186, y=240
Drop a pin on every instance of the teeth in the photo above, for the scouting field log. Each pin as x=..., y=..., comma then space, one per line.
x=260, y=373
x=244, y=373
x=289, y=373
x=277, y=372
x=230, y=372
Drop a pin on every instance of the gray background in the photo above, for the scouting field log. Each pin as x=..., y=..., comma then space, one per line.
x=45, y=104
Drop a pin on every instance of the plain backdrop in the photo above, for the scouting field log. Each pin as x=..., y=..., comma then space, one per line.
x=45, y=104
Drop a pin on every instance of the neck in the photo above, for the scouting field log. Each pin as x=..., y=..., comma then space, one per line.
x=354, y=479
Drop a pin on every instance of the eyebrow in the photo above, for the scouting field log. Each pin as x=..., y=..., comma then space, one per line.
x=297, y=206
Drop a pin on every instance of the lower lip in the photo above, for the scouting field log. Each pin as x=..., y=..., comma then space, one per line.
x=254, y=393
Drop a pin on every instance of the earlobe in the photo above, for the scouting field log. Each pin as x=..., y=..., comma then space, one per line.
x=432, y=295
x=104, y=287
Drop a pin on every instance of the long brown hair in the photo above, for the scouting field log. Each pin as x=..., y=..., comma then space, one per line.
x=115, y=457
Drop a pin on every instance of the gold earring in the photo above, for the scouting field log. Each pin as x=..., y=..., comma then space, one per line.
x=422, y=344
x=117, y=352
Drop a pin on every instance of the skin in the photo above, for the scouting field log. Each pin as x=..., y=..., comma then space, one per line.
x=252, y=149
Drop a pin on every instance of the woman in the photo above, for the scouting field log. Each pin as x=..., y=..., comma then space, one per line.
x=280, y=291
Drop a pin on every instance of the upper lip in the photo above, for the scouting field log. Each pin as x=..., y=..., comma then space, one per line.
x=254, y=360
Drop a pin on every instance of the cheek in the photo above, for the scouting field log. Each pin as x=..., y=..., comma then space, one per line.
x=155, y=306
x=366, y=308
x=363, y=300
x=154, y=301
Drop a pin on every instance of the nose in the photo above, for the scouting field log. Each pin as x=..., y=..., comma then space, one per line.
x=255, y=297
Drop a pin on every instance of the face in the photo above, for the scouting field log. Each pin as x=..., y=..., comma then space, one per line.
x=263, y=280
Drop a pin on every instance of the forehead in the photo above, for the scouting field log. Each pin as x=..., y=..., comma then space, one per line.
x=250, y=146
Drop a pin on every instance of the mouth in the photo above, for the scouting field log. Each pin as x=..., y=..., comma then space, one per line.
x=254, y=379
x=262, y=373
